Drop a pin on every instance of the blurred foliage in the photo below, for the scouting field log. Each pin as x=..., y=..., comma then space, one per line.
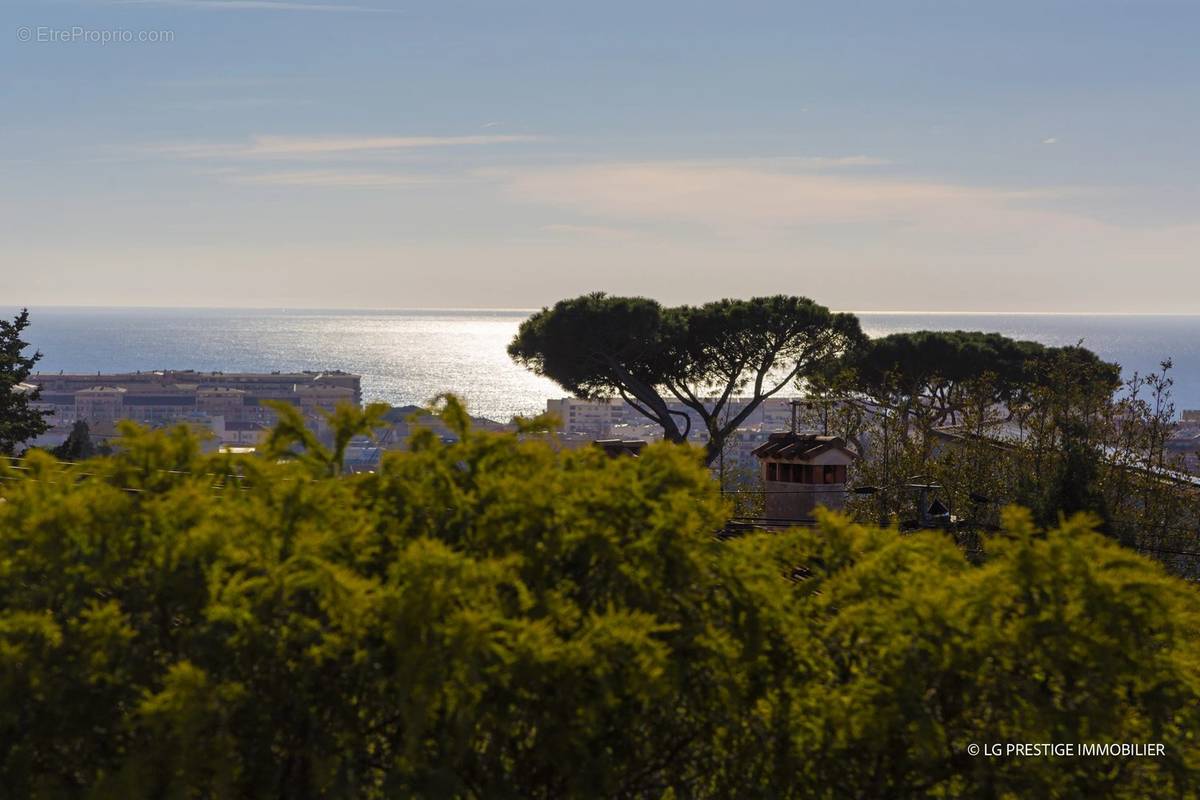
x=494, y=618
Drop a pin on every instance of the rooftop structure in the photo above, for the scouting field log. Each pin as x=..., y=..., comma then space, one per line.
x=801, y=471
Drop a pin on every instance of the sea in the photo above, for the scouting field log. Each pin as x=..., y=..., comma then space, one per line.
x=410, y=356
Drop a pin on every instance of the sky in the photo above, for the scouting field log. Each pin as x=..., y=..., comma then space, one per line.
x=893, y=155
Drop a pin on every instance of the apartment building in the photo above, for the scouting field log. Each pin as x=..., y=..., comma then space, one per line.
x=226, y=402
x=168, y=394
x=595, y=418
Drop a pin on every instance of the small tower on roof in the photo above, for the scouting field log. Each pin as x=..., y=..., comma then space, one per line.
x=801, y=471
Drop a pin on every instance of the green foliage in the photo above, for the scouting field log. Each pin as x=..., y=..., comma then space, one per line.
x=19, y=420
x=1059, y=638
x=592, y=344
x=1088, y=447
x=1074, y=484
x=992, y=421
x=699, y=357
x=494, y=618
x=292, y=438
x=489, y=618
x=78, y=444
x=934, y=375
x=754, y=348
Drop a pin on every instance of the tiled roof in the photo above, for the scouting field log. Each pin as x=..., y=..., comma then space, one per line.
x=799, y=445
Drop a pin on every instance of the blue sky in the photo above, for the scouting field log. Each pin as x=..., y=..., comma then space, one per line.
x=1031, y=156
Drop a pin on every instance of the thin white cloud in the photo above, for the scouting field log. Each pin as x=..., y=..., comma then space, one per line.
x=253, y=5
x=312, y=147
x=1050, y=140
x=736, y=195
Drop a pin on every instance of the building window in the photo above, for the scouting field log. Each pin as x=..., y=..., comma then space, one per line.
x=812, y=474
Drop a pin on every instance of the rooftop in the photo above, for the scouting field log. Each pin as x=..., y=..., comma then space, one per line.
x=798, y=445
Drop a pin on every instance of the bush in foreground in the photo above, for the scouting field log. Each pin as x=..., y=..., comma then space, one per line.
x=496, y=619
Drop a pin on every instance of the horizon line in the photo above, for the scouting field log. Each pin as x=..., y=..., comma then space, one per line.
x=534, y=309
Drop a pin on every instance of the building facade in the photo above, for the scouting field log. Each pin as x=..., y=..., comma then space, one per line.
x=231, y=405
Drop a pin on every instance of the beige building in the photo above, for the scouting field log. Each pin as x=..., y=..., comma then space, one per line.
x=221, y=401
x=99, y=404
x=256, y=385
x=595, y=418
x=158, y=397
x=313, y=399
x=233, y=406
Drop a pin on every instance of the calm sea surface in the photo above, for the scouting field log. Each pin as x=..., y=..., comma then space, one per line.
x=411, y=356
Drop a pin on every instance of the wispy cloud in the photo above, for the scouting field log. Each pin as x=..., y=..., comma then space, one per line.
x=734, y=195
x=253, y=5
x=1050, y=140
x=310, y=147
